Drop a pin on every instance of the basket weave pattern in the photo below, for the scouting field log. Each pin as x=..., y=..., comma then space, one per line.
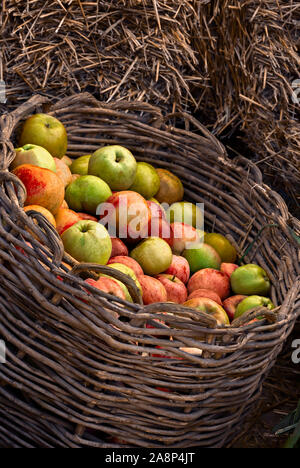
x=82, y=369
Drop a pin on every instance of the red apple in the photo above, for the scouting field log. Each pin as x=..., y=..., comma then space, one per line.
x=176, y=290
x=158, y=227
x=153, y=290
x=156, y=210
x=126, y=212
x=87, y=217
x=180, y=268
x=205, y=293
x=118, y=248
x=128, y=261
x=110, y=286
x=228, y=268
x=208, y=278
x=65, y=219
x=183, y=236
x=231, y=304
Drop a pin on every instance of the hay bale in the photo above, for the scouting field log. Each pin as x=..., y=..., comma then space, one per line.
x=136, y=49
x=250, y=53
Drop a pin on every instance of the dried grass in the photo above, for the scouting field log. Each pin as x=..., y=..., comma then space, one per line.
x=232, y=61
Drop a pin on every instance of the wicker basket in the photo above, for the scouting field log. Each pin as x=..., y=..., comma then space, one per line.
x=78, y=376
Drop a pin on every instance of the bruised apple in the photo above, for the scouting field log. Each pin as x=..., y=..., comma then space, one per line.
x=35, y=155
x=43, y=187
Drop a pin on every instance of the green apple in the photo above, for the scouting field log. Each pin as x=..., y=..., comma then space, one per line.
x=81, y=165
x=154, y=255
x=86, y=193
x=250, y=279
x=222, y=245
x=88, y=242
x=146, y=181
x=127, y=271
x=114, y=164
x=186, y=213
x=34, y=155
x=46, y=131
x=202, y=256
x=251, y=302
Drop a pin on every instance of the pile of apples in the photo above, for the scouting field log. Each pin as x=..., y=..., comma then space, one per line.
x=180, y=263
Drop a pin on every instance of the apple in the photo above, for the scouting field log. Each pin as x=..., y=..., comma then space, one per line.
x=43, y=187
x=108, y=285
x=81, y=165
x=185, y=213
x=87, y=217
x=180, y=268
x=156, y=209
x=128, y=261
x=206, y=293
x=184, y=236
x=66, y=218
x=171, y=189
x=158, y=227
x=49, y=216
x=228, y=268
x=88, y=242
x=146, y=181
x=153, y=290
x=230, y=304
x=250, y=279
x=118, y=248
x=209, y=278
x=64, y=204
x=75, y=177
x=154, y=255
x=176, y=290
x=251, y=302
x=68, y=161
x=126, y=214
x=210, y=307
x=128, y=297
x=202, y=256
x=87, y=193
x=35, y=155
x=63, y=172
x=45, y=131
x=127, y=271
x=222, y=245
x=114, y=164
